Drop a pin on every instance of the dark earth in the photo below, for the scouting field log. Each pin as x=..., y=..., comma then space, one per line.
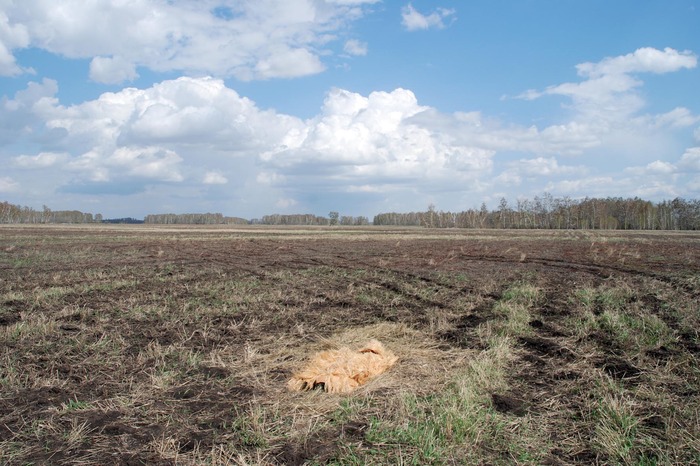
x=80, y=375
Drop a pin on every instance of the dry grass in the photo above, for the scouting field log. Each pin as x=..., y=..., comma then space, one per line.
x=175, y=347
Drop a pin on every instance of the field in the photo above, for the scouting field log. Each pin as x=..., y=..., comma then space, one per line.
x=159, y=346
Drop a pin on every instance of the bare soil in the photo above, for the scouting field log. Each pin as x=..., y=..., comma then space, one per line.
x=173, y=346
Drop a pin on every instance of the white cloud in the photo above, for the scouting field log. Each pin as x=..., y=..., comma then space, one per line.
x=608, y=91
x=572, y=138
x=382, y=147
x=270, y=178
x=694, y=184
x=647, y=189
x=374, y=141
x=12, y=36
x=214, y=178
x=8, y=185
x=189, y=111
x=19, y=116
x=152, y=163
x=286, y=63
x=606, y=108
x=366, y=188
x=248, y=39
x=413, y=20
x=590, y=186
x=542, y=166
x=679, y=117
x=286, y=203
x=655, y=168
x=690, y=161
x=643, y=60
x=180, y=131
x=355, y=47
x=112, y=70
x=41, y=160
x=508, y=178
x=660, y=167
x=8, y=64
x=535, y=171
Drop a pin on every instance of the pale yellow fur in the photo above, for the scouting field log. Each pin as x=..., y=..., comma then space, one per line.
x=343, y=370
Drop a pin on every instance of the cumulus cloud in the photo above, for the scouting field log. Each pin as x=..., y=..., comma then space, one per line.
x=191, y=130
x=12, y=36
x=270, y=178
x=20, y=115
x=536, y=170
x=246, y=39
x=8, y=64
x=163, y=134
x=8, y=185
x=214, y=178
x=679, y=117
x=373, y=138
x=153, y=163
x=286, y=62
x=112, y=70
x=608, y=89
x=606, y=105
x=657, y=167
x=355, y=47
x=413, y=20
x=286, y=203
x=41, y=160
x=572, y=138
x=542, y=166
x=382, y=146
x=661, y=167
x=656, y=179
x=690, y=161
x=592, y=185
x=643, y=60
x=184, y=111
x=667, y=173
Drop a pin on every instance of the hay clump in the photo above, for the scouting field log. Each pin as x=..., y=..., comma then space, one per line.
x=343, y=370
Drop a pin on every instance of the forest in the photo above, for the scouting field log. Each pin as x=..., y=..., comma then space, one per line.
x=542, y=212
x=548, y=212
x=193, y=219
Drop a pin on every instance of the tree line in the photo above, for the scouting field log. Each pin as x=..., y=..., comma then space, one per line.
x=10, y=213
x=548, y=212
x=193, y=219
x=542, y=212
x=334, y=218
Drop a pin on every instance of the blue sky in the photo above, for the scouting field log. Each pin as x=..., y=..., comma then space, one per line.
x=359, y=106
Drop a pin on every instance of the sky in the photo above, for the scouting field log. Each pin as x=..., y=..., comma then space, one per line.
x=253, y=107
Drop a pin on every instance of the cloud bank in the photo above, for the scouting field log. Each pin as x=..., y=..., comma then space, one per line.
x=197, y=139
x=245, y=39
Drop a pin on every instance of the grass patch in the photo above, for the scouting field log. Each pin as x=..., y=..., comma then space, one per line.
x=617, y=313
x=456, y=424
